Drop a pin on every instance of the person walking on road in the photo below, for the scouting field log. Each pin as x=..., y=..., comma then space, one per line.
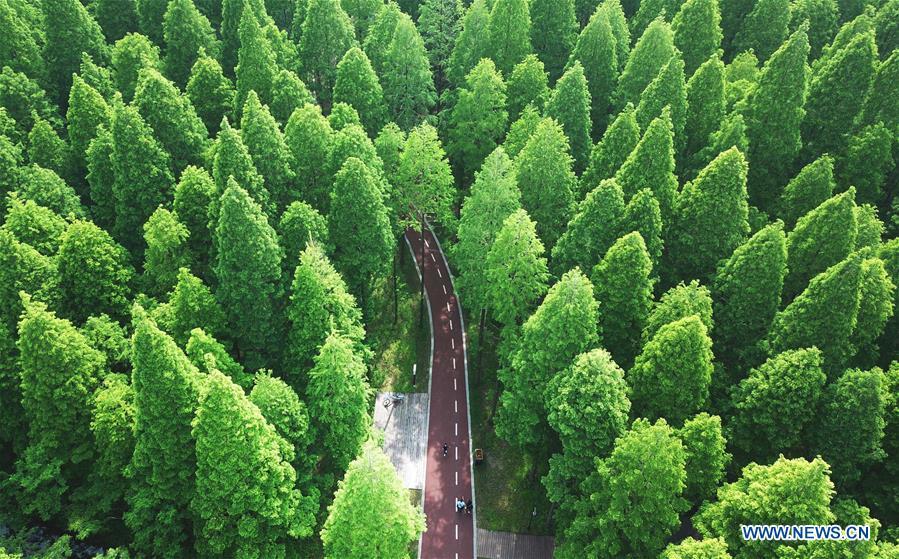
x=445, y=449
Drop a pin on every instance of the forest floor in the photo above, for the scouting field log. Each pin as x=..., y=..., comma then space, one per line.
x=507, y=492
x=398, y=345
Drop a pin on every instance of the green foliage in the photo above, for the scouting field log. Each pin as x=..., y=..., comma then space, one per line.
x=439, y=22
x=193, y=195
x=358, y=86
x=746, y=292
x=697, y=32
x=866, y=163
x=166, y=251
x=569, y=105
x=208, y=354
x=19, y=48
x=713, y=548
x=210, y=92
x=389, y=145
x=87, y=110
x=478, y=119
x=48, y=150
x=68, y=31
x=651, y=165
x=562, y=327
x=705, y=104
x=543, y=171
x=94, y=274
x=351, y=530
x=666, y=91
x=268, y=149
x=876, y=295
x=362, y=13
x=471, y=44
x=607, y=156
x=822, y=16
x=621, y=514
x=309, y=137
x=521, y=130
x=651, y=53
x=190, y=305
x=553, y=33
x=20, y=96
x=679, y=302
x=256, y=67
x=528, y=84
x=642, y=214
x=810, y=188
x=377, y=41
x=299, y=224
x=327, y=34
x=232, y=160
x=35, y=225
x=764, y=28
x=514, y=270
x=508, y=34
x=408, y=83
x=423, y=181
x=130, y=55
x=706, y=456
x=494, y=197
x=282, y=408
x=243, y=478
x=623, y=285
x=289, y=93
x=596, y=49
x=101, y=178
x=161, y=472
x=186, y=31
x=46, y=188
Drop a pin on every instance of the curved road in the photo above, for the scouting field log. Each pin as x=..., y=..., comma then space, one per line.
x=449, y=535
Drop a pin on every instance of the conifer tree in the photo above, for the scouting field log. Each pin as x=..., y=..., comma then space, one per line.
x=592, y=230
x=615, y=502
x=697, y=32
x=172, y=117
x=773, y=115
x=193, y=196
x=623, y=285
x=327, y=35
x=618, y=21
x=508, y=34
x=281, y=406
x=822, y=16
x=190, y=305
x=371, y=483
x=876, y=296
x=836, y=92
x=319, y=303
x=870, y=227
x=408, y=84
x=309, y=137
x=544, y=175
x=289, y=93
x=877, y=106
x=423, y=184
x=232, y=159
x=764, y=28
x=19, y=48
x=607, y=156
x=248, y=269
x=679, y=302
x=439, y=22
x=478, y=120
x=380, y=34
x=712, y=548
x=562, y=327
x=46, y=188
x=673, y=372
x=823, y=316
x=389, y=145
x=20, y=96
x=596, y=49
x=651, y=53
x=710, y=216
x=471, y=44
x=243, y=478
x=166, y=251
x=337, y=396
x=521, y=131
x=651, y=165
x=87, y=110
x=35, y=225
x=98, y=77
x=887, y=30
x=130, y=55
x=299, y=224
x=271, y=157
x=208, y=355
x=359, y=228
x=707, y=457
x=48, y=150
x=746, y=293
x=143, y=178
x=362, y=14
x=58, y=372
x=515, y=273
x=150, y=16
x=343, y=116
x=358, y=86
x=94, y=273
x=731, y=133
x=69, y=30
x=256, y=66
x=494, y=197
x=161, y=471
x=186, y=31
x=810, y=188
x=553, y=33
x=101, y=178
x=528, y=84
x=352, y=141
x=229, y=28
x=667, y=90
x=866, y=163
x=23, y=269
x=824, y=236
x=569, y=105
x=642, y=214
x=706, y=104
x=210, y=92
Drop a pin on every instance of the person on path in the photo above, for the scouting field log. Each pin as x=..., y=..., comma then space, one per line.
x=445, y=449
x=469, y=506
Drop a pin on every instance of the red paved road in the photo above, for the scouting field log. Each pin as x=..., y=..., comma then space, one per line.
x=450, y=535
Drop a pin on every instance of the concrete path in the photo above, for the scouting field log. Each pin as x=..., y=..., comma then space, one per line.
x=505, y=545
x=405, y=434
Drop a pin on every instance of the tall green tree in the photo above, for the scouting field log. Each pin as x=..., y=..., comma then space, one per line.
x=243, y=478
x=229, y=27
x=46, y=188
x=679, y=302
x=623, y=285
x=439, y=22
x=471, y=44
x=710, y=216
x=271, y=156
x=87, y=110
x=371, y=484
x=764, y=28
x=150, y=15
x=867, y=162
x=47, y=149
x=358, y=86
x=508, y=34
x=248, y=269
x=876, y=296
x=773, y=115
x=210, y=91
x=319, y=303
x=544, y=174
x=651, y=53
x=514, y=271
x=822, y=16
x=408, y=83
x=35, y=225
x=377, y=41
x=289, y=93
x=193, y=197
x=310, y=138
x=592, y=230
x=359, y=228
x=527, y=84
x=166, y=252
x=478, y=120
x=186, y=31
x=667, y=91
x=671, y=376
x=775, y=403
x=423, y=183
x=697, y=32
x=58, y=373
x=208, y=355
x=706, y=104
x=69, y=30
x=642, y=214
x=607, y=156
x=299, y=224
x=713, y=548
x=651, y=165
x=597, y=51
x=877, y=106
x=256, y=65
x=161, y=471
x=810, y=188
x=562, y=327
x=746, y=293
x=327, y=35
x=190, y=305
x=20, y=48
x=823, y=237
x=24, y=269
x=232, y=159
x=521, y=130
x=707, y=457
x=282, y=408
x=569, y=105
x=553, y=33
x=130, y=55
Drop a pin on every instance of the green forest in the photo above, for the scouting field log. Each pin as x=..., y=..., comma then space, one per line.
x=673, y=226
